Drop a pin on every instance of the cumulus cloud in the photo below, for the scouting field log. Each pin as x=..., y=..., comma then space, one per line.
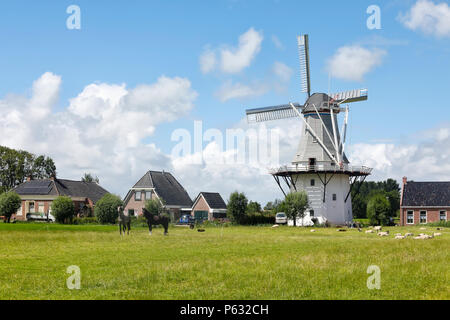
x=428, y=17
x=102, y=130
x=426, y=160
x=353, y=62
x=233, y=60
x=282, y=71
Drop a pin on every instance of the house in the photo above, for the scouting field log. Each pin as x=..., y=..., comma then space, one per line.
x=209, y=206
x=37, y=195
x=158, y=185
x=424, y=202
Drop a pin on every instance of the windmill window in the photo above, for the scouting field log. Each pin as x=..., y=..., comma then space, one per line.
x=410, y=217
x=423, y=217
x=313, y=182
x=443, y=216
x=334, y=196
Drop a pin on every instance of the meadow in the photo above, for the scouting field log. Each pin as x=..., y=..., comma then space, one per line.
x=221, y=263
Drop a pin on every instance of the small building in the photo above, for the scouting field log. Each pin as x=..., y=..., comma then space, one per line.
x=424, y=202
x=209, y=206
x=158, y=185
x=37, y=195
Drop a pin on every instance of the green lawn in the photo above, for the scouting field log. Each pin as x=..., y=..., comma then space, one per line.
x=221, y=263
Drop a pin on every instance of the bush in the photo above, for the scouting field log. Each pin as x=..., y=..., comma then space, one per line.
x=258, y=219
x=445, y=224
x=138, y=221
x=63, y=209
x=9, y=204
x=106, y=209
x=85, y=220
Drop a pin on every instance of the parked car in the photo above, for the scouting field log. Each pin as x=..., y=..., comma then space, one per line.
x=41, y=217
x=281, y=218
x=188, y=220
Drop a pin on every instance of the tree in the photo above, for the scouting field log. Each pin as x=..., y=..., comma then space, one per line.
x=378, y=210
x=87, y=177
x=155, y=207
x=63, y=209
x=237, y=206
x=253, y=207
x=106, y=208
x=295, y=204
x=9, y=204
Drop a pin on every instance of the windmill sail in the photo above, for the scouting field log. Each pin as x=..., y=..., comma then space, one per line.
x=303, y=53
x=350, y=96
x=272, y=113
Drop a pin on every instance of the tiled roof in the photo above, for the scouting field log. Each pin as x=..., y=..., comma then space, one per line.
x=62, y=187
x=426, y=194
x=166, y=187
x=214, y=200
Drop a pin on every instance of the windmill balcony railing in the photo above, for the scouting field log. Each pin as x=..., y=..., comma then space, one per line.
x=321, y=168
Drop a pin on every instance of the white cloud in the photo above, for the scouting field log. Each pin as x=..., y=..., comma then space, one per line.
x=233, y=59
x=425, y=160
x=282, y=71
x=428, y=17
x=230, y=90
x=101, y=131
x=353, y=62
x=208, y=61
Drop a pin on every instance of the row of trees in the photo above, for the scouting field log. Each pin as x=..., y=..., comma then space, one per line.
x=17, y=165
x=242, y=211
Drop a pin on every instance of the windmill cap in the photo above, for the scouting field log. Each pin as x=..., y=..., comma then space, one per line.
x=319, y=100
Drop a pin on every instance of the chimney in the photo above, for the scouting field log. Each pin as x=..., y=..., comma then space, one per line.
x=405, y=180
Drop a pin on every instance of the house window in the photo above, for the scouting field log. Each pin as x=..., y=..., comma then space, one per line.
x=443, y=215
x=137, y=195
x=410, y=217
x=313, y=182
x=148, y=195
x=311, y=213
x=334, y=196
x=31, y=207
x=423, y=217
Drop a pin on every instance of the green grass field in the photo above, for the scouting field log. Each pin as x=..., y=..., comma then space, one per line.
x=221, y=263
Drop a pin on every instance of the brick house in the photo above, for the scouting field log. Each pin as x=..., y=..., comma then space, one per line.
x=37, y=195
x=424, y=202
x=209, y=206
x=158, y=185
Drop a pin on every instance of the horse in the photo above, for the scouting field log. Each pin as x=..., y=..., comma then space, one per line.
x=155, y=220
x=124, y=221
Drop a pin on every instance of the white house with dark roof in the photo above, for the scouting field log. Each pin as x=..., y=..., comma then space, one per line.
x=37, y=195
x=158, y=185
x=424, y=202
x=209, y=206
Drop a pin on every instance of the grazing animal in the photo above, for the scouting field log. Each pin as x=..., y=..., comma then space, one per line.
x=383, y=234
x=437, y=234
x=370, y=231
x=153, y=219
x=313, y=230
x=275, y=226
x=124, y=221
x=400, y=237
x=398, y=234
x=409, y=234
x=377, y=228
x=423, y=237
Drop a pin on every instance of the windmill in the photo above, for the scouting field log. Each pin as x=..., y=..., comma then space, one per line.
x=320, y=166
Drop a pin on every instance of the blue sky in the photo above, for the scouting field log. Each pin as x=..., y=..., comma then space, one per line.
x=136, y=42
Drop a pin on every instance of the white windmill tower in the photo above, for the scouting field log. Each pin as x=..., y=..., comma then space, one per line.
x=320, y=166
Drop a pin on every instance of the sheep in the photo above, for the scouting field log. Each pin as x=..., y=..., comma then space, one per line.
x=400, y=237
x=370, y=231
x=377, y=228
x=313, y=230
x=275, y=226
x=383, y=234
x=423, y=237
x=436, y=234
x=398, y=234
